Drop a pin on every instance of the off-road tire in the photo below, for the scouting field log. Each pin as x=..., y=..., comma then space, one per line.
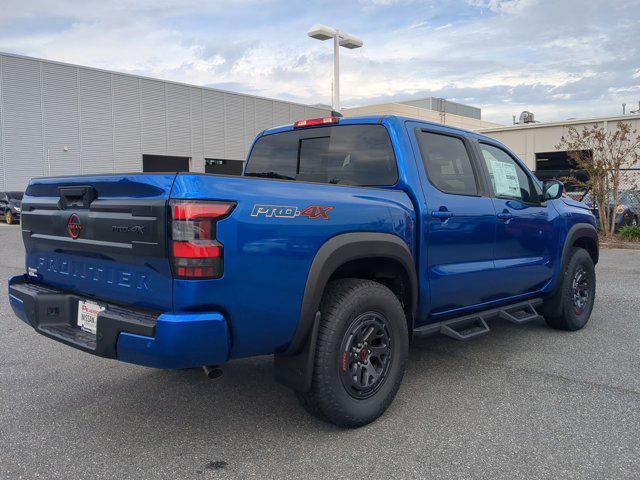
x=561, y=310
x=344, y=302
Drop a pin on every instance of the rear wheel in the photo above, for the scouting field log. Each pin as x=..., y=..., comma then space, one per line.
x=8, y=217
x=360, y=355
x=571, y=306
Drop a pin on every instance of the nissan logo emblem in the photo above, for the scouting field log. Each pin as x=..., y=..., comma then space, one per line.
x=74, y=227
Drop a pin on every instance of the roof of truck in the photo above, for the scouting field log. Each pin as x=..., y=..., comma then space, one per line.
x=374, y=119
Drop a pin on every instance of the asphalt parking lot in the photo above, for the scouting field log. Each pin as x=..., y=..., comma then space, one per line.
x=523, y=402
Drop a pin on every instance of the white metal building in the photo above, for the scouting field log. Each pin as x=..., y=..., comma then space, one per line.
x=447, y=112
x=537, y=143
x=61, y=119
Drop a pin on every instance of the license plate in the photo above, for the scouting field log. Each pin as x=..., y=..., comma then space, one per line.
x=88, y=316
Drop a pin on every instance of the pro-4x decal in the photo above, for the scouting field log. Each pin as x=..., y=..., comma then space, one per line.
x=312, y=212
x=316, y=211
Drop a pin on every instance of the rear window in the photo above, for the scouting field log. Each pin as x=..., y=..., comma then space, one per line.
x=346, y=155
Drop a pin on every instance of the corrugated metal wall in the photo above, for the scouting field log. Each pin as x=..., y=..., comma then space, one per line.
x=127, y=123
x=96, y=122
x=22, y=127
x=58, y=119
x=61, y=120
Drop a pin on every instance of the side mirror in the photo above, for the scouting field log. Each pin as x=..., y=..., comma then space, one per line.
x=552, y=189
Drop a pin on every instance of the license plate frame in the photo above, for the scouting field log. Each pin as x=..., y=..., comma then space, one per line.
x=87, y=318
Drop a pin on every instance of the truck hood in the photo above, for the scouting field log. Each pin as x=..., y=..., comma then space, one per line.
x=575, y=203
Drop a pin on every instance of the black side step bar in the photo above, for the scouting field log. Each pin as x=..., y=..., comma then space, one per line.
x=464, y=329
x=519, y=315
x=475, y=324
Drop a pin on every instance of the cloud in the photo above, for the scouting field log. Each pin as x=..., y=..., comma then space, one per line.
x=558, y=59
x=509, y=7
x=385, y=3
x=418, y=25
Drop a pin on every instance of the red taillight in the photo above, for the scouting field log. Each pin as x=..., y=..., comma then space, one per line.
x=188, y=210
x=314, y=122
x=195, y=252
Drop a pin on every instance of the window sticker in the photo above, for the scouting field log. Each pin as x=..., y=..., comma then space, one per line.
x=505, y=179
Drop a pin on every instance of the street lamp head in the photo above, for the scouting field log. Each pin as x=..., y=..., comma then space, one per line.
x=340, y=39
x=349, y=41
x=321, y=32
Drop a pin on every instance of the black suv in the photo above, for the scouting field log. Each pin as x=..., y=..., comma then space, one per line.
x=11, y=206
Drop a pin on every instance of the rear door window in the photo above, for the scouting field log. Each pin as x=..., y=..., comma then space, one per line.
x=447, y=163
x=343, y=154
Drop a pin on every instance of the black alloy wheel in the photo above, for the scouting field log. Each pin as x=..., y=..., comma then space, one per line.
x=570, y=306
x=580, y=289
x=365, y=355
x=360, y=355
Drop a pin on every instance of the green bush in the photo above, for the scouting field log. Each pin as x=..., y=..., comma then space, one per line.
x=631, y=233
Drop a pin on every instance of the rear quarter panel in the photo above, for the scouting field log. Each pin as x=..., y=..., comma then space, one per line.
x=267, y=259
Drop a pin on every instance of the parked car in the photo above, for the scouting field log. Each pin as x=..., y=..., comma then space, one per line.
x=343, y=240
x=627, y=212
x=11, y=206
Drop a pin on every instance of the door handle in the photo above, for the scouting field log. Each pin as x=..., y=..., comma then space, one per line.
x=505, y=216
x=441, y=214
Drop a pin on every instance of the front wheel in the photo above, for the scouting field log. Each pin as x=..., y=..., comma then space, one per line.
x=572, y=304
x=8, y=217
x=361, y=353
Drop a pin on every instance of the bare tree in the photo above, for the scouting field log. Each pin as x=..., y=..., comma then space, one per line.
x=605, y=156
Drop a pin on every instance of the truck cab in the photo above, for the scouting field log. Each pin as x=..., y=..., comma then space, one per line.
x=343, y=240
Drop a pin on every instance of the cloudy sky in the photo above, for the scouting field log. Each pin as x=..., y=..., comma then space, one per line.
x=557, y=58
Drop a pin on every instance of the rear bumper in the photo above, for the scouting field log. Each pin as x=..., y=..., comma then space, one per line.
x=161, y=340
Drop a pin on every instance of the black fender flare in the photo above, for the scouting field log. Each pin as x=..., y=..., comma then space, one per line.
x=579, y=230
x=552, y=306
x=294, y=366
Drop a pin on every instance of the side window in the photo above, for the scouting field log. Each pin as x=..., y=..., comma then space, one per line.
x=508, y=178
x=447, y=163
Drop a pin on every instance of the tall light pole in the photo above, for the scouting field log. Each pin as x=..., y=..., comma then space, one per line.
x=340, y=39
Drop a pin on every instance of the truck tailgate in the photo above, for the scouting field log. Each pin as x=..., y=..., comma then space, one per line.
x=101, y=236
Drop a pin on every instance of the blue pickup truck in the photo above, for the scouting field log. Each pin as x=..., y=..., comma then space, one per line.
x=344, y=239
